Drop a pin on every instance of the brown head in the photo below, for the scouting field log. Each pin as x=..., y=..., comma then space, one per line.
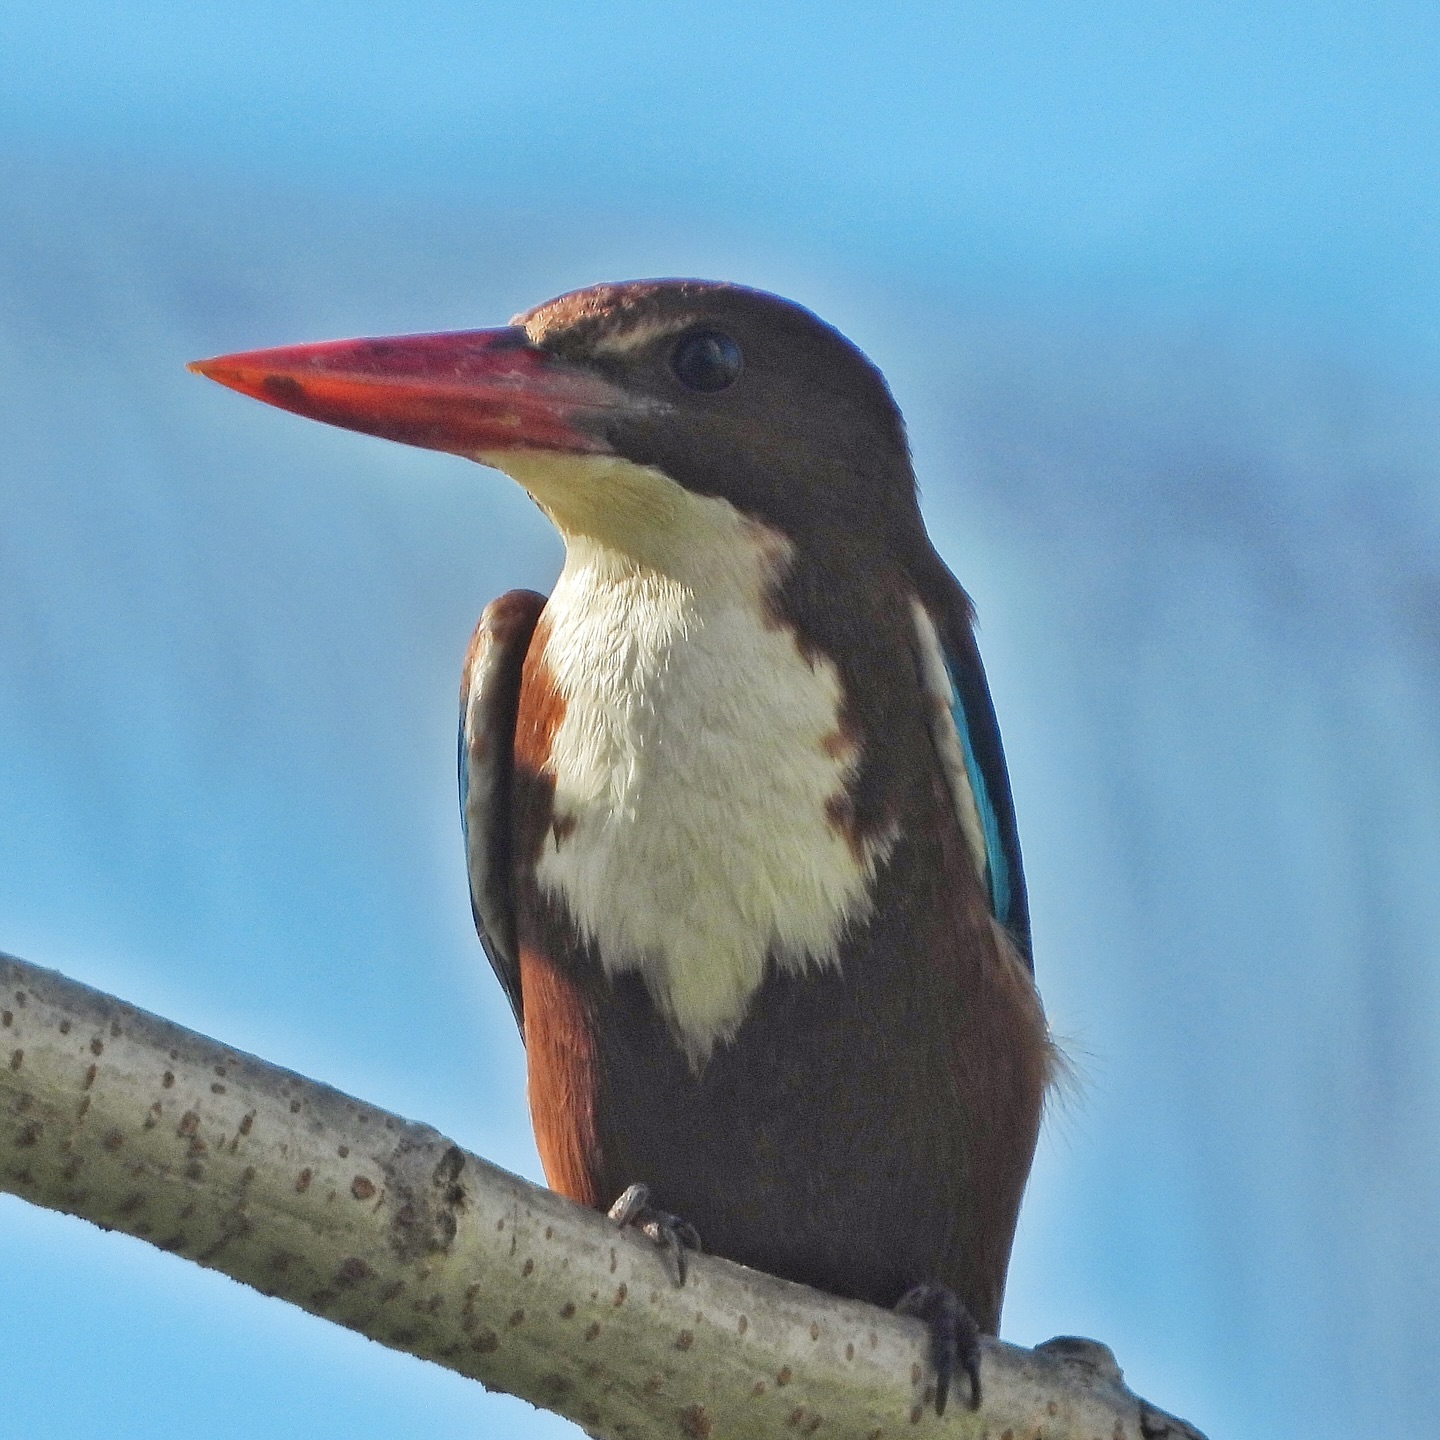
x=726, y=391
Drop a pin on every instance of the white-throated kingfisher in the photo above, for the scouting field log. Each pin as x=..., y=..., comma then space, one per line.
x=740, y=837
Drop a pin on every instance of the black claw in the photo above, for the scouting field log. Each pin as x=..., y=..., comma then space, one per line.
x=668, y=1231
x=954, y=1338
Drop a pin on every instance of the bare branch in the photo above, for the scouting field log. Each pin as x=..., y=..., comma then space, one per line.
x=386, y=1227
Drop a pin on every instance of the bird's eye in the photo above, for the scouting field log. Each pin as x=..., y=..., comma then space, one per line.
x=707, y=360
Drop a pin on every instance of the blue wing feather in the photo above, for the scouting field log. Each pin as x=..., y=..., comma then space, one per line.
x=973, y=715
x=997, y=864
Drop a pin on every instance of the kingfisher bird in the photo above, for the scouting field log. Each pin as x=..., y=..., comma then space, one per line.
x=740, y=837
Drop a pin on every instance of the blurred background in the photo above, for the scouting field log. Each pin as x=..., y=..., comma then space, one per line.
x=1157, y=288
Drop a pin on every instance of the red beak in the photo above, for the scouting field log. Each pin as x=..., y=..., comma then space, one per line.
x=468, y=392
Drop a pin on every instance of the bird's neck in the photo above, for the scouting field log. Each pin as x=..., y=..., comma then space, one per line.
x=699, y=768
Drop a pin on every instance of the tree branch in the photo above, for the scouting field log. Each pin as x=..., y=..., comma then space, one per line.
x=386, y=1227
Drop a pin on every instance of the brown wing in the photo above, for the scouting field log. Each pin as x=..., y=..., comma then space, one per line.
x=973, y=716
x=489, y=698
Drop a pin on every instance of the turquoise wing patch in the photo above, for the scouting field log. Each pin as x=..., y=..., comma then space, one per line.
x=997, y=868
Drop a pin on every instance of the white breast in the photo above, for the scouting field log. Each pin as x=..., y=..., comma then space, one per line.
x=694, y=767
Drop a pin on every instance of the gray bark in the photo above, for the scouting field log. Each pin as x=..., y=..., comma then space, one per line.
x=385, y=1226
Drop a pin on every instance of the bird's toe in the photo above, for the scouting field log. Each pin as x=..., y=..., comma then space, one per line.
x=635, y=1208
x=954, y=1338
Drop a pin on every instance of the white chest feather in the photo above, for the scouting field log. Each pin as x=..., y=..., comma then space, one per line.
x=695, y=772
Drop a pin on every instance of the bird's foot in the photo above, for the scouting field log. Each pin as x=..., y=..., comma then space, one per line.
x=954, y=1338
x=668, y=1231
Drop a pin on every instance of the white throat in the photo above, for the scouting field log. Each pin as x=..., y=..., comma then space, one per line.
x=700, y=757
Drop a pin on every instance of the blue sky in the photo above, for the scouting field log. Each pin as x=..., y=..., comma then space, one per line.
x=1113, y=145
x=1156, y=287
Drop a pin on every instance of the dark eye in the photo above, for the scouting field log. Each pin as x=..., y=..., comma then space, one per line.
x=707, y=360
